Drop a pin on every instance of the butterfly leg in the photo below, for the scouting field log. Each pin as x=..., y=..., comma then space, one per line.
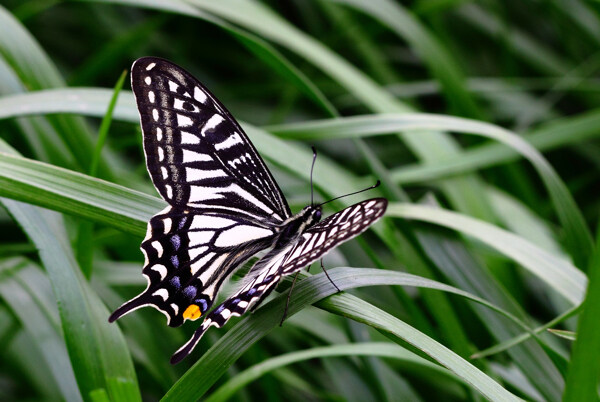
x=328, y=277
x=287, y=302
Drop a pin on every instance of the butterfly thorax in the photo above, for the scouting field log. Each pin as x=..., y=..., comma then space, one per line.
x=297, y=224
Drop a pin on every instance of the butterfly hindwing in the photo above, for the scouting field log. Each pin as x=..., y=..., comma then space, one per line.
x=196, y=153
x=188, y=256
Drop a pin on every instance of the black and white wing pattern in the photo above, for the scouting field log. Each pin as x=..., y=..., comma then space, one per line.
x=224, y=205
x=313, y=244
x=197, y=154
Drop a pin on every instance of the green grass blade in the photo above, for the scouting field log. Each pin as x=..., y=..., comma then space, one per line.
x=568, y=335
x=560, y=275
x=84, y=101
x=98, y=352
x=105, y=125
x=557, y=134
x=84, y=243
x=27, y=292
x=250, y=329
x=379, y=349
x=76, y=194
x=501, y=347
x=438, y=60
x=584, y=370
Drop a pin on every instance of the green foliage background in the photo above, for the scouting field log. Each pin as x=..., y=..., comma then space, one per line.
x=470, y=288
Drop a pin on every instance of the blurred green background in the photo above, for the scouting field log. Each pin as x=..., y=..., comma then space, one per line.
x=471, y=288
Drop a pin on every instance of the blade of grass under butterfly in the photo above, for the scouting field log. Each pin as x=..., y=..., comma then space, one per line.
x=250, y=329
x=380, y=349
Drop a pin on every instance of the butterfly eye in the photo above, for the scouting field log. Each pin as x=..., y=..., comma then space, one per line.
x=318, y=214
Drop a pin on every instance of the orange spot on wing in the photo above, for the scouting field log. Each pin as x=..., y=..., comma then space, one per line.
x=192, y=312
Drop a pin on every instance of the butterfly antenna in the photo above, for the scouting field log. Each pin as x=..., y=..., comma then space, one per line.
x=311, y=175
x=356, y=192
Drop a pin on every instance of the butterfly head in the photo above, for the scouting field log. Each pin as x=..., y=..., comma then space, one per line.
x=312, y=214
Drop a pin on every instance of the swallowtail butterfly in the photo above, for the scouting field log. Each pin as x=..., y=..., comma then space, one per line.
x=224, y=207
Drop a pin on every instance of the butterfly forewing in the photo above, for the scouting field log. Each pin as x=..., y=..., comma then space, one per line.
x=196, y=153
x=225, y=205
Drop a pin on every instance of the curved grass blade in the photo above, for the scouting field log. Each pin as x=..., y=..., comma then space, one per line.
x=560, y=275
x=437, y=59
x=97, y=351
x=584, y=370
x=501, y=347
x=568, y=335
x=76, y=194
x=27, y=292
x=84, y=101
x=380, y=349
x=558, y=133
x=105, y=125
x=213, y=363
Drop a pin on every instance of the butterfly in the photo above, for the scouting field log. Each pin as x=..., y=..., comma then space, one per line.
x=224, y=207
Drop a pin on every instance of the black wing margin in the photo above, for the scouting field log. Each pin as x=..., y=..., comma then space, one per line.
x=196, y=152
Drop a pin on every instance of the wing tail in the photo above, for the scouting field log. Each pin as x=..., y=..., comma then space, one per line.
x=186, y=349
x=129, y=306
x=236, y=305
